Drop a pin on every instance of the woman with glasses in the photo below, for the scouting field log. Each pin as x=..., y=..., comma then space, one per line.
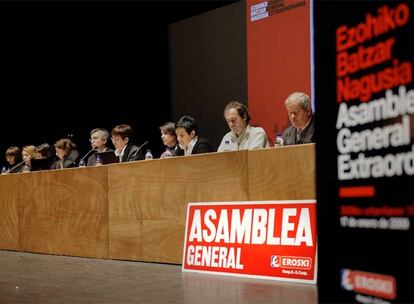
x=99, y=140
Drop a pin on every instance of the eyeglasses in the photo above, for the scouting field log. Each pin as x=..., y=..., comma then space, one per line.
x=93, y=138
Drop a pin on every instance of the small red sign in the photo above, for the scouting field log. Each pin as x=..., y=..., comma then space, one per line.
x=374, y=284
x=266, y=239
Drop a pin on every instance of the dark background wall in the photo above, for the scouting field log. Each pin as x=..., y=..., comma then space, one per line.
x=61, y=62
x=209, y=67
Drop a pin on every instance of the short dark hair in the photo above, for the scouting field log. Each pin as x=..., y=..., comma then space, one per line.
x=168, y=128
x=123, y=131
x=241, y=109
x=188, y=123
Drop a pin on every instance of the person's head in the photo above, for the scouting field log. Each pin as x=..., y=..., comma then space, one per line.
x=237, y=116
x=13, y=155
x=298, y=106
x=44, y=151
x=63, y=147
x=185, y=129
x=168, y=136
x=99, y=139
x=28, y=153
x=121, y=135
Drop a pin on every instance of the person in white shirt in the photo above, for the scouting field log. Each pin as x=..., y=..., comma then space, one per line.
x=302, y=129
x=242, y=135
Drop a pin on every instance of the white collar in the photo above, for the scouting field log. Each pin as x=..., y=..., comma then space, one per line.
x=191, y=145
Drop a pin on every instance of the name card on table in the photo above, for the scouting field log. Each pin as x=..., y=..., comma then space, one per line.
x=262, y=239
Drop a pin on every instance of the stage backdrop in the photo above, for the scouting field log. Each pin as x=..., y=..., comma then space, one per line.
x=208, y=67
x=278, y=52
x=365, y=154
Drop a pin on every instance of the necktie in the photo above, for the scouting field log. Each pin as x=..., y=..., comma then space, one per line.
x=298, y=135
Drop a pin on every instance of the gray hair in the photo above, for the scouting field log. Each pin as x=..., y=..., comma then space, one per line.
x=301, y=98
x=103, y=133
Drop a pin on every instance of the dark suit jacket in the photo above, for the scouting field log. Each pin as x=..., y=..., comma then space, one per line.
x=307, y=136
x=130, y=153
x=202, y=146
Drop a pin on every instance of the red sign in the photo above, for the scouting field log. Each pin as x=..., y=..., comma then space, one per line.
x=264, y=239
x=369, y=283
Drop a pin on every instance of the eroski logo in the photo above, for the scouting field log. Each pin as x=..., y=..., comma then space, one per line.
x=274, y=261
x=374, y=284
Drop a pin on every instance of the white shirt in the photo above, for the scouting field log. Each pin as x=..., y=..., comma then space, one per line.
x=190, y=146
x=120, y=154
x=250, y=138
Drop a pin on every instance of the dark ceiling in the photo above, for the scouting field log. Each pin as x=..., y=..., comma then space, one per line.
x=69, y=67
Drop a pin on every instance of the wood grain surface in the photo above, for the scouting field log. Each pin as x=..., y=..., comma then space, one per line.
x=9, y=217
x=147, y=203
x=65, y=212
x=137, y=210
x=282, y=173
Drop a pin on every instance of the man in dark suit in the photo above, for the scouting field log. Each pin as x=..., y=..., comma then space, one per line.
x=302, y=129
x=122, y=140
x=99, y=140
x=188, y=139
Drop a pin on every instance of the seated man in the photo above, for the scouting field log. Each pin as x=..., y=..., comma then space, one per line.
x=302, y=129
x=242, y=136
x=122, y=140
x=99, y=140
x=188, y=139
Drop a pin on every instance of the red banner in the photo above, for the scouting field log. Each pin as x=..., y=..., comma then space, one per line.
x=279, y=59
x=265, y=239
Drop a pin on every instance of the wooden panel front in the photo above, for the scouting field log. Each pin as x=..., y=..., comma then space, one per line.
x=65, y=212
x=282, y=173
x=9, y=217
x=148, y=199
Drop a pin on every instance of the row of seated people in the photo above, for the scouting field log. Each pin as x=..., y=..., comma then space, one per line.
x=180, y=138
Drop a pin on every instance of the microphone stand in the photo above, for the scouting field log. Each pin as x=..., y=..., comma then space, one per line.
x=139, y=149
x=12, y=169
x=86, y=155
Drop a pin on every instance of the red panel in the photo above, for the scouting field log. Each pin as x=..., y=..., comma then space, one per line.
x=278, y=52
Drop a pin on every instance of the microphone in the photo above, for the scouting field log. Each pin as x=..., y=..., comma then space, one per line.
x=82, y=160
x=42, y=146
x=19, y=165
x=134, y=155
x=16, y=167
